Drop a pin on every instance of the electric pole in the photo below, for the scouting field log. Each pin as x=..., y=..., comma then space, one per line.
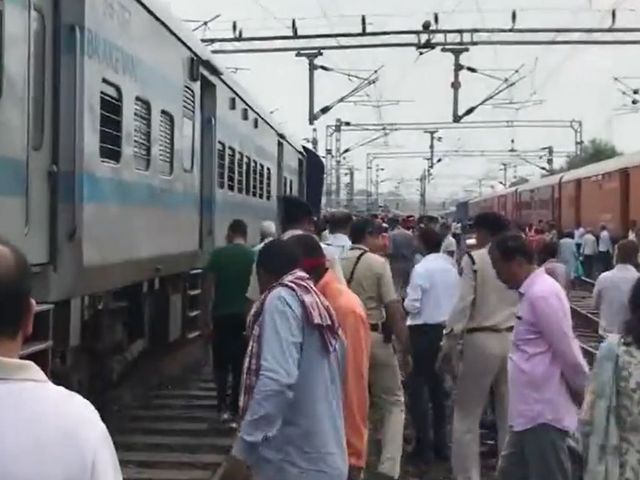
x=338, y=161
x=431, y=159
x=351, y=189
x=423, y=192
x=457, y=52
x=549, y=151
x=505, y=169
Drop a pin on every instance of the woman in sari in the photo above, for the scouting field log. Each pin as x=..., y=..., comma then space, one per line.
x=611, y=412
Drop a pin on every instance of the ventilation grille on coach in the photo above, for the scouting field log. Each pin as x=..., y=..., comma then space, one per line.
x=142, y=134
x=189, y=101
x=110, y=122
x=165, y=144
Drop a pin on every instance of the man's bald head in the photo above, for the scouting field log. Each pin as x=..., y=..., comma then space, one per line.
x=15, y=290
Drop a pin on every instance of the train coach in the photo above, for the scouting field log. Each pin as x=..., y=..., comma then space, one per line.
x=606, y=192
x=124, y=153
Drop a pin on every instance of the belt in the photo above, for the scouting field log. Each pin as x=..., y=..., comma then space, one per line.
x=488, y=329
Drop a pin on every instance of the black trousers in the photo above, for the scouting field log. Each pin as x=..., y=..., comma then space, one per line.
x=588, y=262
x=604, y=262
x=228, y=348
x=431, y=434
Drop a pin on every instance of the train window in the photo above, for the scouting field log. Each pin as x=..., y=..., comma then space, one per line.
x=247, y=175
x=231, y=170
x=222, y=162
x=232, y=103
x=142, y=134
x=268, y=184
x=38, y=62
x=255, y=122
x=261, y=182
x=166, y=145
x=240, y=173
x=188, y=115
x=110, y=122
x=245, y=114
x=254, y=178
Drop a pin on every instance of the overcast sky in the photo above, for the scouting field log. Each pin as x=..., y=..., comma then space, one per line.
x=573, y=82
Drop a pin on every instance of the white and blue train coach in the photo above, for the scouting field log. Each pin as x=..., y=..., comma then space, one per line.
x=124, y=153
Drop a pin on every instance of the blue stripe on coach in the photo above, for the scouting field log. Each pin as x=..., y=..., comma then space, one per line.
x=100, y=190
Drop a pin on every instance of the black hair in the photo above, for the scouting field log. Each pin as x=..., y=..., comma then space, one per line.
x=277, y=258
x=308, y=247
x=15, y=290
x=361, y=228
x=393, y=222
x=294, y=211
x=430, y=239
x=547, y=251
x=632, y=325
x=627, y=252
x=511, y=246
x=340, y=221
x=319, y=226
x=491, y=222
x=238, y=228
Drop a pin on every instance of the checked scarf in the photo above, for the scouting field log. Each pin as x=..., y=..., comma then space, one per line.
x=316, y=311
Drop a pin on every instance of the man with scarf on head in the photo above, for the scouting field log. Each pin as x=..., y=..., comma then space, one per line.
x=296, y=218
x=291, y=410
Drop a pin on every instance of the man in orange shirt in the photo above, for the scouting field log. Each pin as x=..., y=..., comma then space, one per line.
x=355, y=327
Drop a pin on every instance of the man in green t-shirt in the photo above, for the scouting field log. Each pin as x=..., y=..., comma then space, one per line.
x=230, y=268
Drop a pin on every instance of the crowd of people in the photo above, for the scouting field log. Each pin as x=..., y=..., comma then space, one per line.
x=328, y=334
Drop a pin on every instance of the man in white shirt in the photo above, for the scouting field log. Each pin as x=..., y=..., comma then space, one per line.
x=578, y=234
x=449, y=245
x=611, y=293
x=605, y=250
x=431, y=296
x=588, y=253
x=338, y=241
x=46, y=431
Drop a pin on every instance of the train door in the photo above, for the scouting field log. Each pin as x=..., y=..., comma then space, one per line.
x=302, y=176
x=39, y=128
x=578, y=202
x=624, y=197
x=282, y=188
x=208, y=155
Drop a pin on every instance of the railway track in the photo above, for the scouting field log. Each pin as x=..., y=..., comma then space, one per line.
x=585, y=318
x=174, y=434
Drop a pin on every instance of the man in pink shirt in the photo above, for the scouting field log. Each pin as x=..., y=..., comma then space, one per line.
x=547, y=372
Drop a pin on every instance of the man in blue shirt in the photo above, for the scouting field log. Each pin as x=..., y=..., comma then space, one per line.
x=292, y=423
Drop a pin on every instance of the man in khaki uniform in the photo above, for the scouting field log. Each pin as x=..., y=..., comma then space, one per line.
x=483, y=320
x=369, y=276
